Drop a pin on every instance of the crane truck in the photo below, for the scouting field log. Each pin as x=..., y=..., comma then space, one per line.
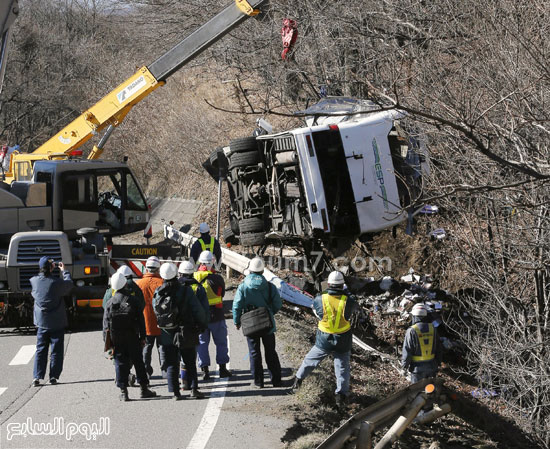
x=54, y=202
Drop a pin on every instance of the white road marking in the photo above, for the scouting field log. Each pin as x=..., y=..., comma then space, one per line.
x=24, y=356
x=211, y=413
x=2, y=389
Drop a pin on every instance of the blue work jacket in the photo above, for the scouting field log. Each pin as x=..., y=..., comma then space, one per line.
x=49, y=305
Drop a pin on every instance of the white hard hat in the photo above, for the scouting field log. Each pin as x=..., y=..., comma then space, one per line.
x=186, y=267
x=256, y=265
x=204, y=228
x=152, y=262
x=336, y=278
x=118, y=280
x=206, y=257
x=125, y=270
x=168, y=271
x=419, y=310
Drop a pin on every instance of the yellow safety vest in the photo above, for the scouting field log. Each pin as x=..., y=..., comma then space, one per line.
x=426, y=344
x=210, y=246
x=333, y=321
x=201, y=276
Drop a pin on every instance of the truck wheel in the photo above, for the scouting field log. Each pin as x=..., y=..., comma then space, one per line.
x=214, y=157
x=254, y=224
x=234, y=225
x=229, y=237
x=244, y=159
x=252, y=238
x=243, y=145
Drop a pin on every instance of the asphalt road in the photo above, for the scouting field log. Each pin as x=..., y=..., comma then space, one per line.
x=86, y=402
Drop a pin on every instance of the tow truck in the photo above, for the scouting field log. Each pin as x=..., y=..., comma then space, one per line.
x=55, y=203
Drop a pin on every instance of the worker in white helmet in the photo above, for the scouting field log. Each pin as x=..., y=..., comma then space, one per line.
x=205, y=242
x=150, y=281
x=186, y=270
x=214, y=285
x=127, y=272
x=254, y=292
x=422, y=347
x=123, y=319
x=178, y=315
x=334, y=308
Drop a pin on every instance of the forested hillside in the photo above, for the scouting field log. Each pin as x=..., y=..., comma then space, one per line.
x=474, y=77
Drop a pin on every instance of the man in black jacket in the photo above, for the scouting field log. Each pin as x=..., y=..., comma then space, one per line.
x=206, y=242
x=124, y=322
x=179, y=314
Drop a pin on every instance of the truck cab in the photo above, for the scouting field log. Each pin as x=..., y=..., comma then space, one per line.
x=66, y=211
x=66, y=195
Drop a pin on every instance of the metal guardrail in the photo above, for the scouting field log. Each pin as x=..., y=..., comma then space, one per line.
x=239, y=263
x=401, y=408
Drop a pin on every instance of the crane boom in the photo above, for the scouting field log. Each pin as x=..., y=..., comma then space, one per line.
x=113, y=108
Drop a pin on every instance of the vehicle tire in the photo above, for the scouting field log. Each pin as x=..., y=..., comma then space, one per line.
x=254, y=224
x=243, y=145
x=252, y=238
x=234, y=225
x=214, y=157
x=243, y=159
x=229, y=237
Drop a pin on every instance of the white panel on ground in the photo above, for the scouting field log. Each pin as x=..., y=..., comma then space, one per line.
x=24, y=356
x=2, y=389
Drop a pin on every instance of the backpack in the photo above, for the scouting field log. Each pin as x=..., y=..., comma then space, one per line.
x=165, y=307
x=122, y=315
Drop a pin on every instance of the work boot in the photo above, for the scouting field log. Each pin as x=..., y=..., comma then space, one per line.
x=146, y=393
x=178, y=396
x=295, y=385
x=124, y=395
x=195, y=393
x=206, y=372
x=224, y=372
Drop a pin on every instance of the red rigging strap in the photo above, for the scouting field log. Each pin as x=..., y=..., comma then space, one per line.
x=289, y=33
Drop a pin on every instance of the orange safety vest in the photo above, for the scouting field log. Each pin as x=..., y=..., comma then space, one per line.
x=334, y=321
x=426, y=344
x=213, y=298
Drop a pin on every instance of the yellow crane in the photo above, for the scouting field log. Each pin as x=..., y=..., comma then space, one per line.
x=111, y=110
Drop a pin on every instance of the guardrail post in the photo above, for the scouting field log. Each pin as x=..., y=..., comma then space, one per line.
x=433, y=414
x=364, y=441
x=402, y=423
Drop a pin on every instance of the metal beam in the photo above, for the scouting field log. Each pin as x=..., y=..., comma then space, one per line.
x=200, y=40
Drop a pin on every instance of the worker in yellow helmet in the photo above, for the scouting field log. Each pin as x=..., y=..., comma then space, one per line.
x=334, y=308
